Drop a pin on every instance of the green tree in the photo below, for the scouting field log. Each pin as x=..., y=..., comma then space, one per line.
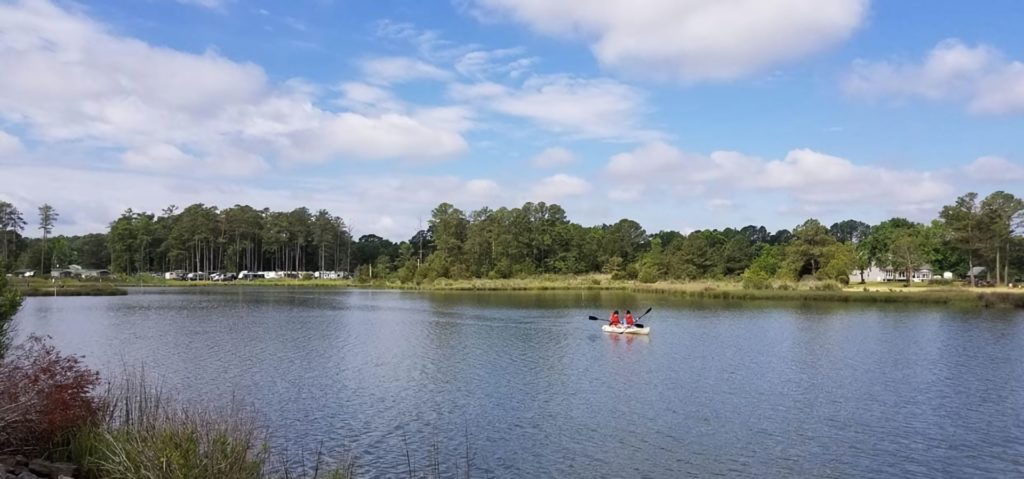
x=450, y=226
x=908, y=251
x=766, y=266
x=10, y=302
x=1001, y=215
x=12, y=223
x=652, y=264
x=966, y=228
x=850, y=231
x=838, y=260
x=806, y=250
x=47, y=218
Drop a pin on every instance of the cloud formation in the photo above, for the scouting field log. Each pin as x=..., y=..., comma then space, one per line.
x=980, y=77
x=392, y=70
x=805, y=175
x=143, y=99
x=689, y=40
x=577, y=107
x=9, y=144
x=995, y=169
x=553, y=157
x=560, y=186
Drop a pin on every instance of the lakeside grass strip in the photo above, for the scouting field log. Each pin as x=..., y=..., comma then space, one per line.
x=700, y=290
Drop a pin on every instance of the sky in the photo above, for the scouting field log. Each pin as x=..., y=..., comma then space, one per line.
x=680, y=114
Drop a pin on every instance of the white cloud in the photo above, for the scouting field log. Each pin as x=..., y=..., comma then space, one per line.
x=979, y=76
x=366, y=199
x=391, y=70
x=387, y=136
x=481, y=64
x=9, y=144
x=559, y=186
x=68, y=79
x=364, y=98
x=689, y=39
x=807, y=176
x=428, y=43
x=995, y=169
x=158, y=157
x=578, y=107
x=553, y=157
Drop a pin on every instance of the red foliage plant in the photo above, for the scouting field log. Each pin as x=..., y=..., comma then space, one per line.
x=44, y=396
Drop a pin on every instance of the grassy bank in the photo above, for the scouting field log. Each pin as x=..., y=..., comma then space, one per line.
x=66, y=287
x=918, y=293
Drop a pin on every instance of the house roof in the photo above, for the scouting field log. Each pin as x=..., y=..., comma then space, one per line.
x=975, y=271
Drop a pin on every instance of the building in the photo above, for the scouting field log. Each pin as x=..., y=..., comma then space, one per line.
x=874, y=274
x=75, y=271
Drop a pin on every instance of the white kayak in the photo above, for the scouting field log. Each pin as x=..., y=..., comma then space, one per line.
x=625, y=330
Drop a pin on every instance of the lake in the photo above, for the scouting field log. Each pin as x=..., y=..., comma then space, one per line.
x=536, y=390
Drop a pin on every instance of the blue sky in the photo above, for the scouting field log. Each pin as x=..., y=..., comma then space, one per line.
x=681, y=114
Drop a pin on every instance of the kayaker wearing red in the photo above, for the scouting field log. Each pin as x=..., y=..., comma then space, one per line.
x=614, y=321
x=629, y=319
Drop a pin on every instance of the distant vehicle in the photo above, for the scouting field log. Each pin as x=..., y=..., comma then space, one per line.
x=223, y=277
x=197, y=276
x=176, y=275
x=250, y=275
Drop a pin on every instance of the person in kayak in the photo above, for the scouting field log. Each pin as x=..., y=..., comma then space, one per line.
x=629, y=319
x=614, y=321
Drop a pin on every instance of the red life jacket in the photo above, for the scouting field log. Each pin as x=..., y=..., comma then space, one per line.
x=615, y=320
x=629, y=320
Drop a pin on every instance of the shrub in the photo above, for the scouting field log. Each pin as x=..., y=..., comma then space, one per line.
x=648, y=275
x=829, y=285
x=940, y=282
x=10, y=303
x=756, y=280
x=45, y=397
x=143, y=434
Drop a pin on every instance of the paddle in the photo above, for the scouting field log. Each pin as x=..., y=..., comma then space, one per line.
x=635, y=324
x=595, y=318
x=638, y=325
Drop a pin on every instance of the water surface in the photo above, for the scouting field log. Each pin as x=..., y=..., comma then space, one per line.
x=536, y=390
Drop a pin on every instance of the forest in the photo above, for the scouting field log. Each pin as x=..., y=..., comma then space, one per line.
x=533, y=239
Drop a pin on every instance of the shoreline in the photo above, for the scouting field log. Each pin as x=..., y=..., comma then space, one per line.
x=701, y=290
x=722, y=290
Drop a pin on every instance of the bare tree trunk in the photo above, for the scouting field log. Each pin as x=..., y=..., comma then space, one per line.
x=998, y=270
x=1006, y=264
x=970, y=272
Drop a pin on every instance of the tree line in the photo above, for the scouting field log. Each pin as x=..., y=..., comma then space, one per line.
x=535, y=238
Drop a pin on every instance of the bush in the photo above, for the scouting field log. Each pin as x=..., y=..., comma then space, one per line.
x=940, y=282
x=785, y=286
x=46, y=396
x=628, y=273
x=828, y=285
x=648, y=275
x=756, y=280
x=10, y=303
x=143, y=434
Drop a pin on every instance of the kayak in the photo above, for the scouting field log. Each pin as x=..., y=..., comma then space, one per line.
x=626, y=330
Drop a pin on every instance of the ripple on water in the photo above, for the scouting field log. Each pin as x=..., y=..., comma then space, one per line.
x=535, y=389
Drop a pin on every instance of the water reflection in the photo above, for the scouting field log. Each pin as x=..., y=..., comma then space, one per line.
x=537, y=390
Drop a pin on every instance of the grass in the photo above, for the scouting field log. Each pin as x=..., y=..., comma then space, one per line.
x=917, y=293
x=65, y=287
x=142, y=433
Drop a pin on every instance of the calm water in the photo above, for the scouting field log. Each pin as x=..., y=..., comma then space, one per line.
x=538, y=391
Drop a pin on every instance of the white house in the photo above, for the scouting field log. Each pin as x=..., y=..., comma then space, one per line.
x=874, y=274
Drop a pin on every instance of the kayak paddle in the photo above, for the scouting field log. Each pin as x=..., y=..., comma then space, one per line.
x=641, y=316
